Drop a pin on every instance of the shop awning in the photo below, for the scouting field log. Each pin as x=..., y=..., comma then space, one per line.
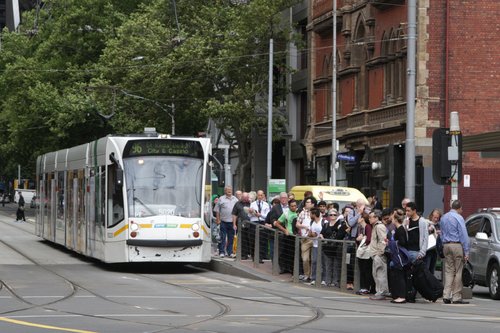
x=489, y=141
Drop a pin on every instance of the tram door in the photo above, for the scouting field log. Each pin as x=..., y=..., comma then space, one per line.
x=52, y=210
x=60, y=211
x=81, y=225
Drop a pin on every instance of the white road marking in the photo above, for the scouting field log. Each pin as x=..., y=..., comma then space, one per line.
x=375, y=316
x=268, y=315
x=152, y=296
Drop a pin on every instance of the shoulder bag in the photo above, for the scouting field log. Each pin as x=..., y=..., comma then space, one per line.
x=362, y=251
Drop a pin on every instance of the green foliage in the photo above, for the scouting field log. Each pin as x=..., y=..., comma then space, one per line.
x=78, y=62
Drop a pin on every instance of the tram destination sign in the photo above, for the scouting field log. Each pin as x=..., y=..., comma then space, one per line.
x=163, y=147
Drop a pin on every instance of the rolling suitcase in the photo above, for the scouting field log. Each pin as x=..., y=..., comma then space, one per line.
x=425, y=282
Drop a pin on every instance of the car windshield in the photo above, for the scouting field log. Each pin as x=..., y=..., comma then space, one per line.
x=164, y=185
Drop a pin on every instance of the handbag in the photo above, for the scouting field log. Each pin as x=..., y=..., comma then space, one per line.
x=362, y=251
x=431, y=243
x=468, y=275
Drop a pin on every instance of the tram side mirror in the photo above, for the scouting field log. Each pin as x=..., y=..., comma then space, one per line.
x=119, y=178
x=119, y=171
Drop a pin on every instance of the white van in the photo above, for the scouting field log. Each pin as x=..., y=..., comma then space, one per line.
x=27, y=195
x=338, y=194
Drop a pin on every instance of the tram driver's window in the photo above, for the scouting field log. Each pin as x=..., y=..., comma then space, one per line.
x=115, y=197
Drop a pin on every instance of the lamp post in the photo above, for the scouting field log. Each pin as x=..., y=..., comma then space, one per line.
x=333, y=177
x=170, y=113
x=270, y=118
x=410, y=102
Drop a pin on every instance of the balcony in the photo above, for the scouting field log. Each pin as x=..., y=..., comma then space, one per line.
x=380, y=120
x=384, y=4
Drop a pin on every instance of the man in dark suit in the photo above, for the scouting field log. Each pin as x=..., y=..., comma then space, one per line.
x=279, y=209
x=377, y=205
x=275, y=213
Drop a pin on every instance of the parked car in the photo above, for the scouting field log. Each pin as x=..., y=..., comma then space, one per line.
x=483, y=229
x=34, y=202
x=5, y=198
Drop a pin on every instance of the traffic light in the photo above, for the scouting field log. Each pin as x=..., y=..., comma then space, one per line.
x=441, y=165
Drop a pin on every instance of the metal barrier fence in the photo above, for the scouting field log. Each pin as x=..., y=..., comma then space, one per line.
x=333, y=261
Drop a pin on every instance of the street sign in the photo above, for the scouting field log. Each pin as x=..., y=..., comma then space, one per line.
x=276, y=186
x=346, y=157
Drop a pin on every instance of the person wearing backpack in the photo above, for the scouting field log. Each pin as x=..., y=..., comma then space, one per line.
x=398, y=269
x=418, y=234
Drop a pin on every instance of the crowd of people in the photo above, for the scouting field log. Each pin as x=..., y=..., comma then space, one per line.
x=388, y=243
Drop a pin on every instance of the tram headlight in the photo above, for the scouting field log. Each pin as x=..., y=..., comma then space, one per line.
x=195, y=227
x=134, y=227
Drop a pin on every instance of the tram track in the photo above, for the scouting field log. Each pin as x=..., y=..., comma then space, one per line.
x=317, y=312
x=74, y=289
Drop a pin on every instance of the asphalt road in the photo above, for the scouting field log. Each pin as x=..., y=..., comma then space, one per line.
x=45, y=288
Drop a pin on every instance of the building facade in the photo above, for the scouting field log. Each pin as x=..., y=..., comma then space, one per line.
x=457, y=68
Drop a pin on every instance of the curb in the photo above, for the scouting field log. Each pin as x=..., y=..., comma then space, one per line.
x=233, y=268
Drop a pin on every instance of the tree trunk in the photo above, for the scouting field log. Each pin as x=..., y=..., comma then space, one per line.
x=244, y=164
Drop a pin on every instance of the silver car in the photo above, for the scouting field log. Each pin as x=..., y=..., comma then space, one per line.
x=483, y=228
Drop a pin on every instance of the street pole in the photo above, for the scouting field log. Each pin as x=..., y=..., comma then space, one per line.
x=270, y=118
x=410, y=102
x=19, y=176
x=228, y=180
x=453, y=152
x=333, y=178
x=173, y=118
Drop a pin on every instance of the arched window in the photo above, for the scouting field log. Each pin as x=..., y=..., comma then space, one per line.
x=401, y=65
x=358, y=60
x=387, y=77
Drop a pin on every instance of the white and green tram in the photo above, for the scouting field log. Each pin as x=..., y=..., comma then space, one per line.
x=128, y=199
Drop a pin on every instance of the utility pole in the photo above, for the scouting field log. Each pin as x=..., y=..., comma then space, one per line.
x=453, y=153
x=333, y=178
x=410, y=102
x=270, y=118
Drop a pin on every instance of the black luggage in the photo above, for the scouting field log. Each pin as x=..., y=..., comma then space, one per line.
x=425, y=282
x=410, y=290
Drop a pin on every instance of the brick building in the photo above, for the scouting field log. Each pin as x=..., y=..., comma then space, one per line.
x=458, y=63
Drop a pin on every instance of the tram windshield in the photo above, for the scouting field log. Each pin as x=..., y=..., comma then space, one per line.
x=164, y=185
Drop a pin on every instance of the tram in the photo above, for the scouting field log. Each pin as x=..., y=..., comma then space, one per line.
x=138, y=198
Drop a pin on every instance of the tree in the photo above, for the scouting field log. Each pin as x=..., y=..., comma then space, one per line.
x=74, y=71
x=44, y=67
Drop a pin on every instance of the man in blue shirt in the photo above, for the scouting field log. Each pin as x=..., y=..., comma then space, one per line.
x=456, y=252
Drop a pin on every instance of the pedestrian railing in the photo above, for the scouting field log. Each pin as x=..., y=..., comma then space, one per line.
x=333, y=261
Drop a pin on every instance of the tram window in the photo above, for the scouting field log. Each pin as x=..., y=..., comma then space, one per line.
x=115, y=197
x=60, y=195
x=159, y=185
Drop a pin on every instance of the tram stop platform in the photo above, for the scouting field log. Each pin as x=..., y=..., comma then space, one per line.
x=246, y=269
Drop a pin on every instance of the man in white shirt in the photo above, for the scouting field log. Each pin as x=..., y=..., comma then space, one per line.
x=258, y=212
x=314, y=232
x=224, y=218
x=303, y=225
